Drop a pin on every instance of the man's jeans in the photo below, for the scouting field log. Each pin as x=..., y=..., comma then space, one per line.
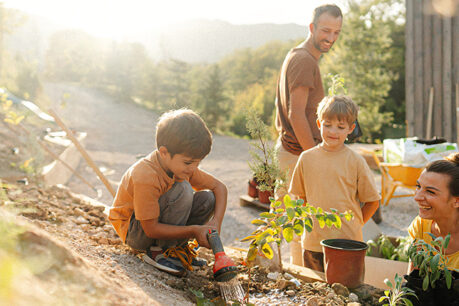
x=181, y=206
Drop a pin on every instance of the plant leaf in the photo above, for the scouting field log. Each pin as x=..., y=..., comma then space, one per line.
x=290, y=213
x=425, y=283
x=267, y=251
x=267, y=215
x=288, y=234
x=258, y=222
x=252, y=253
x=448, y=278
x=248, y=238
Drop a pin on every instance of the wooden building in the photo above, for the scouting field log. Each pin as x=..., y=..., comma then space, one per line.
x=432, y=68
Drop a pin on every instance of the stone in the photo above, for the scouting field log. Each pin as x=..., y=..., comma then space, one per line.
x=353, y=304
x=290, y=292
x=313, y=301
x=353, y=297
x=273, y=275
x=81, y=220
x=340, y=289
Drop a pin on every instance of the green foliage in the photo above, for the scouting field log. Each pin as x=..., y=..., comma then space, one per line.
x=431, y=260
x=285, y=220
x=385, y=247
x=397, y=295
x=211, y=100
x=265, y=165
x=364, y=56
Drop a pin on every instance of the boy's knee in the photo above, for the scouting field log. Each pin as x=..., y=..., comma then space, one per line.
x=181, y=192
x=206, y=199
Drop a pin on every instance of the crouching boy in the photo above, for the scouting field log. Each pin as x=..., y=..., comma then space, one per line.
x=164, y=201
x=331, y=175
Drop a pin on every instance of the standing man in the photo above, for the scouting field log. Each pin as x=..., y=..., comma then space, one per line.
x=299, y=91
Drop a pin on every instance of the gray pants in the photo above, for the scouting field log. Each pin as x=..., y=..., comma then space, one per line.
x=181, y=206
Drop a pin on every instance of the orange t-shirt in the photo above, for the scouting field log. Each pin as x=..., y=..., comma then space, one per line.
x=140, y=189
x=300, y=69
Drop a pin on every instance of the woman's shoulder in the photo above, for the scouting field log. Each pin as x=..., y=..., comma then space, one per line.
x=419, y=228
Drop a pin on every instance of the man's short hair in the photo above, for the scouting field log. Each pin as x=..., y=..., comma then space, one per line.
x=183, y=132
x=331, y=9
x=340, y=107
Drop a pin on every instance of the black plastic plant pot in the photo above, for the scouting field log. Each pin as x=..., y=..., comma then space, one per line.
x=440, y=295
x=344, y=261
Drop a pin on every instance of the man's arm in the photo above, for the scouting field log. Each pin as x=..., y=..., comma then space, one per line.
x=368, y=210
x=156, y=230
x=297, y=117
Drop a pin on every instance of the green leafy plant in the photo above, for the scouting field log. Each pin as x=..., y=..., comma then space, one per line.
x=264, y=165
x=285, y=221
x=335, y=84
x=397, y=295
x=431, y=260
x=386, y=248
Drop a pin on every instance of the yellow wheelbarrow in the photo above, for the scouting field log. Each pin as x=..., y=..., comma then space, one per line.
x=395, y=175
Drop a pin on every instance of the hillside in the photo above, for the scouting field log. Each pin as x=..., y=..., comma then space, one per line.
x=192, y=41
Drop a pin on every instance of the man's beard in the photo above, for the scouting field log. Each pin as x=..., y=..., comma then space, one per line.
x=322, y=50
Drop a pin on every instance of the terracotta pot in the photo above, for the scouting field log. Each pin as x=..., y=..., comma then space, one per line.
x=344, y=261
x=252, y=190
x=263, y=196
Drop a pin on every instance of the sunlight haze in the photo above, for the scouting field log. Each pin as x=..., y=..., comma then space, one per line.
x=118, y=19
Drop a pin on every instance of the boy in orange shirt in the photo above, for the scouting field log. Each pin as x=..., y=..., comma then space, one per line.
x=331, y=175
x=157, y=210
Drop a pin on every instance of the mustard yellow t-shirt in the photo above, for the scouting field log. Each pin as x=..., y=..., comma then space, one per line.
x=140, y=189
x=339, y=180
x=418, y=230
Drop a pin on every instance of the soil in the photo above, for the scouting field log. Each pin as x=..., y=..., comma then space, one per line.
x=104, y=271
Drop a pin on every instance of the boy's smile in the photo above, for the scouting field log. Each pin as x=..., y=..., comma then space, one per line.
x=334, y=132
x=179, y=165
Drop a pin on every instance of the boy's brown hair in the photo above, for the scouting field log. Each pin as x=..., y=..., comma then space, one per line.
x=184, y=132
x=340, y=107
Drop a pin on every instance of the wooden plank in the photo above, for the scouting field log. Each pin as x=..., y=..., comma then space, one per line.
x=437, y=75
x=456, y=69
x=83, y=152
x=246, y=200
x=419, y=115
x=409, y=68
x=427, y=42
x=447, y=78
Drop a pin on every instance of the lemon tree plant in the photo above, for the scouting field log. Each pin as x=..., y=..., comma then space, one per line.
x=284, y=220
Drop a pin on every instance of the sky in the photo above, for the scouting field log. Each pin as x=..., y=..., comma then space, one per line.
x=119, y=18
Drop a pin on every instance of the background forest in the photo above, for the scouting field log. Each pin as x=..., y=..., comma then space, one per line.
x=369, y=55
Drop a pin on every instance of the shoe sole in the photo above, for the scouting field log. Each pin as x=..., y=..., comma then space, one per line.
x=150, y=261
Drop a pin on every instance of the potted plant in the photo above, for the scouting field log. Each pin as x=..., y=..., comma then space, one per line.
x=267, y=175
x=431, y=279
x=397, y=294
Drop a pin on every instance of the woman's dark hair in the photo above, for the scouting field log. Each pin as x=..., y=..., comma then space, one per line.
x=450, y=167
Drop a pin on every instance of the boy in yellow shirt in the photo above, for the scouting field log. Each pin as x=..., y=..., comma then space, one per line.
x=164, y=199
x=331, y=175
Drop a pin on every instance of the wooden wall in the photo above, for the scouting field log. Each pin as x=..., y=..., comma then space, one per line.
x=432, y=61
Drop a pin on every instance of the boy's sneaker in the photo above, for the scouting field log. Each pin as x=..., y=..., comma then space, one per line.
x=185, y=255
x=156, y=258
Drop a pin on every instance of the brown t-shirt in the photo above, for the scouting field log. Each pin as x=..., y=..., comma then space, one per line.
x=339, y=180
x=140, y=189
x=300, y=68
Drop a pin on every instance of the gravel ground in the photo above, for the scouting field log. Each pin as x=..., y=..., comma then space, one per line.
x=118, y=133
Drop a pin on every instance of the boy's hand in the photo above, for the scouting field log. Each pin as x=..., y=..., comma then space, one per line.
x=201, y=232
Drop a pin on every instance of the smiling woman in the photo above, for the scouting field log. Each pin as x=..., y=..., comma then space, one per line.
x=437, y=195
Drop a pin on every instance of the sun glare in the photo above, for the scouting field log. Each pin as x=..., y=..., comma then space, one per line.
x=120, y=18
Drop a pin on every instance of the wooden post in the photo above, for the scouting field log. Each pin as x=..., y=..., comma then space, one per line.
x=447, y=79
x=409, y=69
x=420, y=114
x=437, y=76
x=83, y=152
x=429, y=114
x=457, y=112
